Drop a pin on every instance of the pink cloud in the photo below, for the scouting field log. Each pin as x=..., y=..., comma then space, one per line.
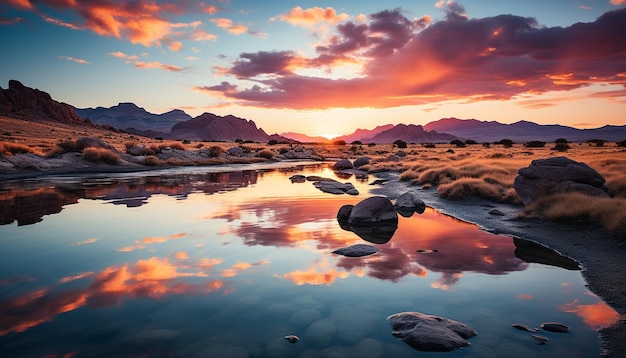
x=227, y=24
x=134, y=59
x=406, y=62
x=307, y=17
x=73, y=59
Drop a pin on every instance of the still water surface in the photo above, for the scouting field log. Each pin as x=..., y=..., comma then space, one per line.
x=225, y=264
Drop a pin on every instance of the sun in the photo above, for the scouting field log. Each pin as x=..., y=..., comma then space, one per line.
x=329, y=136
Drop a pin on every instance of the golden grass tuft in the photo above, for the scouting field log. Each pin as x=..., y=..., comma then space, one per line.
x=101, y=155
x=609, y=212
x=9, y=149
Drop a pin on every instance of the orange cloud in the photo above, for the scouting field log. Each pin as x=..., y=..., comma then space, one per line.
x=307, y=17
x=228, y=25
x=201, y=35
x=412, y=62
x=88, y=241
x=596, y=316
x=318, y=274
x=618, y=2
x=523, y=296
x=77, y=60
x=148, y=240
x=153, y=278
x=181, y=255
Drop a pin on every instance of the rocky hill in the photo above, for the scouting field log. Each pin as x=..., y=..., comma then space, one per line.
x=130, y=116
x=410, y=133
x=522, y=131
x=212, y=127
x=21, y=102
x=364, y=134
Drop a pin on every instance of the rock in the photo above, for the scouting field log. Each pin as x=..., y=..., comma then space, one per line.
x=292, y=338
x=19, y=101
x=359, y=162
x=401, y=153
x=335, y=187
x=408, y=203
x=557, y=175
x=393, y=158
x=541, y=340
x=379, y=181
x=522, y=327
x=298, y=178
x=451, y=151
x=555, y=327
x=235, y=151
x=372, y=211
x=496, y=212
x=357, y=250
x=344, y=214
x=343, y=164
x=430, y=333
x=426, y=251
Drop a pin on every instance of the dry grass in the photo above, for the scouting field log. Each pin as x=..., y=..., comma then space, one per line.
x=576, y=207
x=8, y=148
x=101, y=155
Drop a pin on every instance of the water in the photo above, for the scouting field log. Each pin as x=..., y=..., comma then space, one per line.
x=202, y=263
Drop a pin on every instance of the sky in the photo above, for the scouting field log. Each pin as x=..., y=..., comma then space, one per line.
x=327, y=67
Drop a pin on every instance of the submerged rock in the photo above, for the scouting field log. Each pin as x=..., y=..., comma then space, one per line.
x=292, y=338
x=523, y=327
x=430, y=333
x=557, y=175
x=373, y=210
x=541, y=340
x=335, y=187
x=357, y=250
x=555, y=327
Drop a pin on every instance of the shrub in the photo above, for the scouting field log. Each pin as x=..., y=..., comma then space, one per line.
x=357, y=142
x=173, y=145
x=272, y=142
x=14, y=148
x=186, y=141
x=561, y=147
x=339, y=142
x=151, y=161
x=69, y=146
x=215, y=151
x=468, y=187
x=458, y=143
x=429, y=145
x=101, y=155
x=561, y=140
x=621, y=143
x=535, y=144
x=399, y=143
x=505, y=142
x=597, y=142
x=267, y=154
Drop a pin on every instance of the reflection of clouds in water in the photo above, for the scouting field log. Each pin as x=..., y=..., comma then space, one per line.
x=152, y=278
x=148, y=240
x=318, y=274
x=446, y=280
x=595, y=315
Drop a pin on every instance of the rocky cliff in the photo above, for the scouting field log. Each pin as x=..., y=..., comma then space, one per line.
x=209, y=126
x=21, y=102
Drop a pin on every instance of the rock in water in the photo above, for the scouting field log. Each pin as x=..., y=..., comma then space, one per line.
x=357, y=250
x=541, y=340
x=555, y=327
x=408, y=203
x=373, y=210
x=292, y=338
x=557, y=175
x=343, y=164
x=430, y=333
x=522, y=327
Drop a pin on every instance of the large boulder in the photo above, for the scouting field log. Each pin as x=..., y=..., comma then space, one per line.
x=374, y=210
x=343, y=164
x=408, y=203
x=359, y=162
x=557, y=175
x=430, y=333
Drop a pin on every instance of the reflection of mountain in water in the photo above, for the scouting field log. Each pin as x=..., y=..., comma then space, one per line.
x=28, y=205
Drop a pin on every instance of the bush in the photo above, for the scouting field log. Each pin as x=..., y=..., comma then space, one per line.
x=267, y=154
x=535, y=144
x=399, y=143
x=272, y=142
x=69, y=146
x=14, y=148
x=173, y=145
x=561, y=140
x=151, y=161
x=621, y=143
x=215, y=151
x=505, y=142
x=339, y=142
x=101, y=155
x=597, y=142
x=458, y=143
x=470, y=142
x=357, y=142
x=561, y=147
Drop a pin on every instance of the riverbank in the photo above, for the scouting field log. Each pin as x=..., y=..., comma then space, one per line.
x=599, y=254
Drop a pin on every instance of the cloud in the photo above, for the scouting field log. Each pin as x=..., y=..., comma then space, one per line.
x=142, y=22
x=73, y=59
x=134, y=59
x=12, y=21
x=227, y=24
x=618, y=2
x=407, y=62
x=311, y=16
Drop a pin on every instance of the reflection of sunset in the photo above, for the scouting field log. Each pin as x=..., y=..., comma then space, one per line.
x=153, y=278
x=523, y=296
x=596, y=316
x=318, y=274
x=151, y=240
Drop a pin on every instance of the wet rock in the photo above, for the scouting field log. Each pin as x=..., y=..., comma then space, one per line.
x=523, y=327
x=373, y=210
x=359, y=162
x=379, y=181
x=541, y=340
x=357, y=250
x=343, y=164
x=292, y=338
x=344, y=213
x=408, y=203
x=335, y=187
x=315, y=178
x=425, y=251
x=557, y=175
x=496, y=212
x=430, y=333
x=298, y=178
x=555, y=327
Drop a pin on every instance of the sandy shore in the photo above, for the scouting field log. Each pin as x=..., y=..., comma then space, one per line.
x=600, y=255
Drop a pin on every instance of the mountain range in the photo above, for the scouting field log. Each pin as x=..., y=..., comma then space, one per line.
x=19, y=101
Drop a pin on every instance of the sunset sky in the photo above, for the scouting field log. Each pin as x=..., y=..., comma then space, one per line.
x=327, y=67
